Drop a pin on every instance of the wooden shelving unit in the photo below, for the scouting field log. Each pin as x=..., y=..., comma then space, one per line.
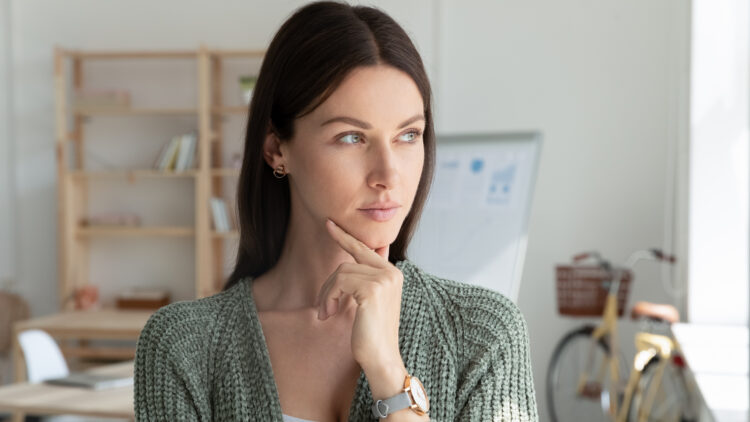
x=207, y=176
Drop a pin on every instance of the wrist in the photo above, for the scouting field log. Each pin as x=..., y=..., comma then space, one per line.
x=386, y=380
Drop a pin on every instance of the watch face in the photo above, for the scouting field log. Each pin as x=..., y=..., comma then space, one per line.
x=420, y=397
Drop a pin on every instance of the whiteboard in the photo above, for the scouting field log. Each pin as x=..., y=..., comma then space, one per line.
x=474, y=225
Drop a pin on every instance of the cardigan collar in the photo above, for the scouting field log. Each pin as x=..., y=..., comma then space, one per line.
x=410, y=299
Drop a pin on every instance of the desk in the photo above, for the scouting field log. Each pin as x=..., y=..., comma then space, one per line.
x=104, y=324
x=718, y=358
x=45, y=399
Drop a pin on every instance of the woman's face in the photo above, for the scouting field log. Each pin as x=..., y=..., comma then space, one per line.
x=363, y=145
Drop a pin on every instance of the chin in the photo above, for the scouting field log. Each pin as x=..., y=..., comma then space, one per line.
x=378, y=234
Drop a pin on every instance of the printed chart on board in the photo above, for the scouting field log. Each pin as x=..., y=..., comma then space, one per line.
x=474, y=225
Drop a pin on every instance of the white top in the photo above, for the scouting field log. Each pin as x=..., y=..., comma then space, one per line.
x=288, y=418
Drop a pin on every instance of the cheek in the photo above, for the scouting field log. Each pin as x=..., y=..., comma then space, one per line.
x=333, y=182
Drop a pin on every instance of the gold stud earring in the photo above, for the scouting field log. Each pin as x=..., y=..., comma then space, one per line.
x=278, y=172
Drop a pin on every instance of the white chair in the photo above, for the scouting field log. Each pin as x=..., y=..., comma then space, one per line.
x=44, y=360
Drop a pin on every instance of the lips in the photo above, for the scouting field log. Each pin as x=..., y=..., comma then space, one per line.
x=381, y=214
x=382, y=205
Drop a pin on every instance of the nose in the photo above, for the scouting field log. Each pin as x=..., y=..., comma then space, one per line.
x=383, y=165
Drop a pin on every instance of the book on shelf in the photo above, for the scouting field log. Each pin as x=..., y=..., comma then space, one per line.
x=167, y=153
x=191, y=155
x=220, y=215
x=186, y=151
x=177, y=154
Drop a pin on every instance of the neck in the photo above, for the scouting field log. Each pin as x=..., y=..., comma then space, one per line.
x=308, y=258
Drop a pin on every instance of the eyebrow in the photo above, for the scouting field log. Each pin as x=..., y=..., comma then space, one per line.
x=365, y=125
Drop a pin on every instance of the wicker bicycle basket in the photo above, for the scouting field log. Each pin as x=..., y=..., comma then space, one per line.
x=582, y=290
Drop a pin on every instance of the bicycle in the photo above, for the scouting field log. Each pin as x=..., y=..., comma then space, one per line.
x=657, y=388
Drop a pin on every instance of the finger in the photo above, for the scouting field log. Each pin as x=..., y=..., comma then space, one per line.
x=356, y=248
x=324, y=288
x=345, y=268
x=357, y=285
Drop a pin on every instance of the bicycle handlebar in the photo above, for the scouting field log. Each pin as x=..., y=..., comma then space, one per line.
x=662, y=256
x=655, y=254
x=593, y=254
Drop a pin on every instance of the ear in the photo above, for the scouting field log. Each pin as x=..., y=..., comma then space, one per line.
x=273, y=150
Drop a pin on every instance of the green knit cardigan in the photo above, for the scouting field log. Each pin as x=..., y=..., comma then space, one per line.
x=207, y=359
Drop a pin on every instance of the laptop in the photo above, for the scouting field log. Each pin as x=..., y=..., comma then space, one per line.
x=92, y=381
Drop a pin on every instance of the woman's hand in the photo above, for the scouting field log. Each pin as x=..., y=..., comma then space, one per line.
x=375, y=284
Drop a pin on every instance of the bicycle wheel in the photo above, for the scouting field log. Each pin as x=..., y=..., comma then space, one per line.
x=566, y=365
x=672, y=400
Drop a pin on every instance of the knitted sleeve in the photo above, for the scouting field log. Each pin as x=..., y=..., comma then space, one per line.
x=497, y=383
x=166, y=385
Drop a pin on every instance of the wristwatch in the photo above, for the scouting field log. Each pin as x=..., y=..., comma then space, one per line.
x=413, y=396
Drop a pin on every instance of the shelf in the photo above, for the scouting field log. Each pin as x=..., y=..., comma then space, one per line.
x=173, y=54
x=156, y=111
x=230, y=110
x=153, y=174
x=212, y=136
x=225, y=172
x=134, y=54
x=228, y=53
x=207, y=112
x=127, y=111
x=106, y=174
x=135, y=231
x=232, y=234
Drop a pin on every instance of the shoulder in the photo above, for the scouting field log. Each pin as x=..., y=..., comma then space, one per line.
x=185, y=323
x=175, y=356
x=483, y=319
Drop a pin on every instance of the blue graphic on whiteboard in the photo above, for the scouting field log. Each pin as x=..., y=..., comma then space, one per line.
x=476, y=165
x=501, y=183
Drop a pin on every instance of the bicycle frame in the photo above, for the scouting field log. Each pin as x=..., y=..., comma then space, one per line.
x=608, y=326
x=648, y=346
x=644, y=343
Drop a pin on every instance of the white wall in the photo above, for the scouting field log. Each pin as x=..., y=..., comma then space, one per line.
x=7, y=238
x=604, y=80
x=7, y=197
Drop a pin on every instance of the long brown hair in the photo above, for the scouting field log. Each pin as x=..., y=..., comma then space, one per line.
x=306, y=61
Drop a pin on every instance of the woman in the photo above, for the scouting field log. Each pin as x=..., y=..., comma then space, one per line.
x=324, y=318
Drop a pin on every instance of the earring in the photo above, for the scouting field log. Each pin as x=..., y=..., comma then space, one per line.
x=279, y=169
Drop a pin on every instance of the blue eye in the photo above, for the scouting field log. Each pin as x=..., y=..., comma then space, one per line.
x=416, y=134
x=347, y=135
